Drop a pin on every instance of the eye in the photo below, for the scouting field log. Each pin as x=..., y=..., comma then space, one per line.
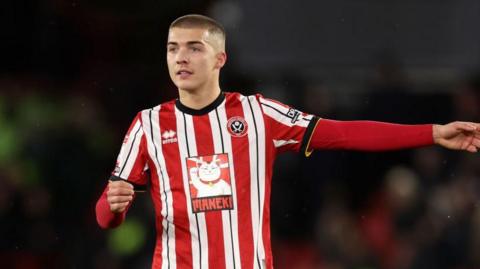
x=171, y=49
x=195, y=49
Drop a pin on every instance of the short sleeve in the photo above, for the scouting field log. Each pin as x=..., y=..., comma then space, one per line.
x=131, y=162
x=291, y=129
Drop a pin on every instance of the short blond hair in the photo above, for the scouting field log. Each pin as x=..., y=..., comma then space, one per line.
x=202, y=22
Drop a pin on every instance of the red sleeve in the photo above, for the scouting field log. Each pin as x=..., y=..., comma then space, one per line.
x=106, y=218
x=368, y=135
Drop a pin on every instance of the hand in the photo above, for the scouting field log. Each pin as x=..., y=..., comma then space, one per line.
x=458, y=135
x=119, y=195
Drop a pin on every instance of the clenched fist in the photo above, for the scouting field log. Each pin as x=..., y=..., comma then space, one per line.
x=119, y=195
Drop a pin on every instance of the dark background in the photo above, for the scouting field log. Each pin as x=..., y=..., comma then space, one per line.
x=74, y=73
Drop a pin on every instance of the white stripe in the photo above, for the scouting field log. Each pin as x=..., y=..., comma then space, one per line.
x=283, y=108
x=192, y=149
x=284, y=119
x=228, y=228
x=303, y=119
x=134, y=138
x=256, y=187
x=253, y=177
x=279, y=143
x=165, y=195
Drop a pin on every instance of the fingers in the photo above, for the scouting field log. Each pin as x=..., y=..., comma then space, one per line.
x=120, y=183
x=114, y=190
x=119, y=195
x=476, y=142
x=471, y=143
x=120, y=188
x=466, y=126
x=119, y=207
x=472, y=139
x=113, y=199
x=472, y=149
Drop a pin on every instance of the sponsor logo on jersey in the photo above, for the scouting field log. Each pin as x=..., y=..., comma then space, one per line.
x=237, y=126
x=169, y=136
x=210, y=185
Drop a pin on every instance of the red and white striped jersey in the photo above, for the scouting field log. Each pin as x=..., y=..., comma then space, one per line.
x=210, y=176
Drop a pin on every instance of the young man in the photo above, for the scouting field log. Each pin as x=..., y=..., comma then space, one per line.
x=210, y=156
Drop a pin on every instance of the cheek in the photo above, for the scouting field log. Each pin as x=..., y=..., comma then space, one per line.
x=170, y=64
x=207, y=62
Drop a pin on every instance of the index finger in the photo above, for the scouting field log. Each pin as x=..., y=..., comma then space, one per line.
x=120, y=183
x=467, y=126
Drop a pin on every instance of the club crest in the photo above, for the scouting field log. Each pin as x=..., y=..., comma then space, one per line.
x=237, y=126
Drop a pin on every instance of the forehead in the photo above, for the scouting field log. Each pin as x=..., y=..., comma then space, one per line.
x=183, y=35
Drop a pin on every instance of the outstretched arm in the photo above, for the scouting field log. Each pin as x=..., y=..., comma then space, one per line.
x=382, y=136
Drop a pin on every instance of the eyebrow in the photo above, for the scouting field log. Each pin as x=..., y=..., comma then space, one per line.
x=188, y=43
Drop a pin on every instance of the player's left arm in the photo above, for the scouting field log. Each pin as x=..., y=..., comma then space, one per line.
x=458, y=135
x=384, y=136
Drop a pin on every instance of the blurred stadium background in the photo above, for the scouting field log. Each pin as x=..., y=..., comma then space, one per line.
x=74, y=73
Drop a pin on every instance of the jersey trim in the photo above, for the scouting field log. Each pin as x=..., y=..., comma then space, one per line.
x=308, y=136
x=136, y=187
x=202, y=111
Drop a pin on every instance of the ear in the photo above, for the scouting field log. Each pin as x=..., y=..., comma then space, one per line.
x=221, y=59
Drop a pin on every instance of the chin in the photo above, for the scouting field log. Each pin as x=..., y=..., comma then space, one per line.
x=186, y=86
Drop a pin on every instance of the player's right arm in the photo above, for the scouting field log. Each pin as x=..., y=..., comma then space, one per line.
x=118, y=195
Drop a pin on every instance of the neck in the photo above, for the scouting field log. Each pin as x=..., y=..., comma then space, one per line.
x=199, y=98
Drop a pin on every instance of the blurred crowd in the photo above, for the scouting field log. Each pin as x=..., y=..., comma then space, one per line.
x=72, y=78
x=415, y=209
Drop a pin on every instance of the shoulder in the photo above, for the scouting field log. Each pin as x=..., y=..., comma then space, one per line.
x=256, y=101
x=256, y=96
x=168, y=106
x=241, y=97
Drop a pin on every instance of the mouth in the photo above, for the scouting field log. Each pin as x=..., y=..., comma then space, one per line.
x=184, y=73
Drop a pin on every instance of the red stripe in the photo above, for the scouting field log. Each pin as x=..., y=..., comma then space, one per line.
x=241, y=162
x=266, y=218
x=272, y=129
x=204, y=141
x=170, y=151
x=155, y=194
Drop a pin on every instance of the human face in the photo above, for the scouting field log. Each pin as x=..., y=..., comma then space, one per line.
x=193, y=61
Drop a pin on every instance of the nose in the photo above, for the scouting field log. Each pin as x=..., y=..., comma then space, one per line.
x=182, y=57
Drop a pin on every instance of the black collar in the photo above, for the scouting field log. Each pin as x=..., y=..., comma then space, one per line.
x=202, y=111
